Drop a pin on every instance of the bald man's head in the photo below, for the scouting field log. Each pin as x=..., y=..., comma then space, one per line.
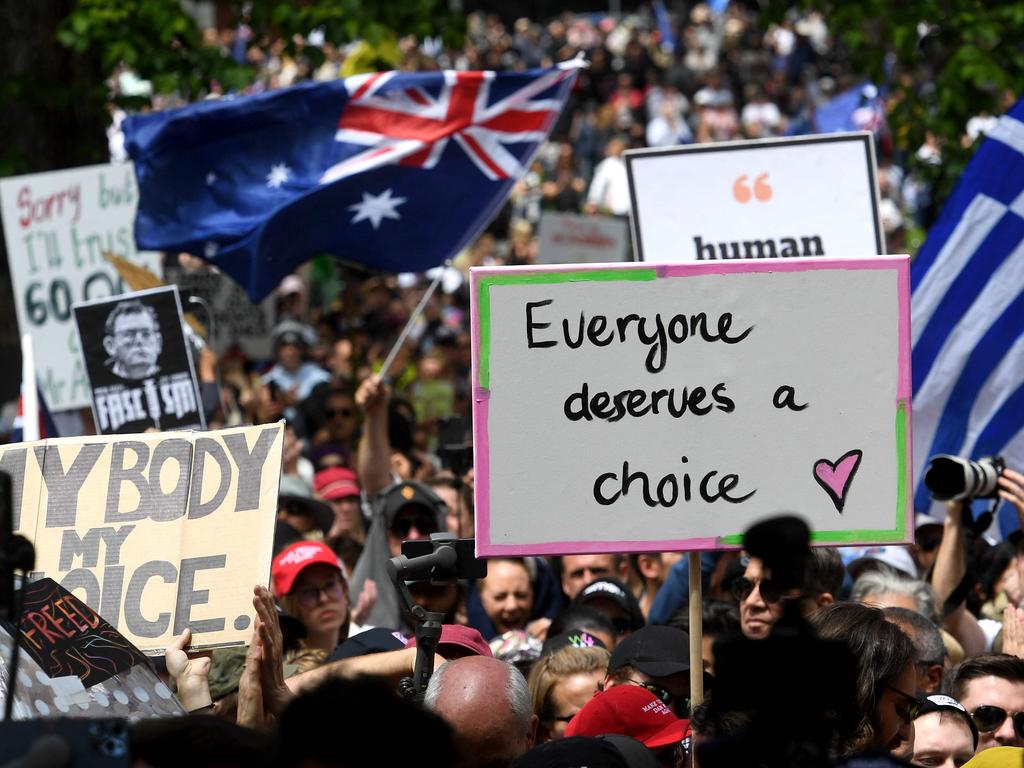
x=487, y=704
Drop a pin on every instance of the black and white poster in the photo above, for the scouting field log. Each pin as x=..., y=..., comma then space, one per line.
x=139, y=369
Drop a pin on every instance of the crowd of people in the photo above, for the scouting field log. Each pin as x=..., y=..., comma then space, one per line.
x=579, y=659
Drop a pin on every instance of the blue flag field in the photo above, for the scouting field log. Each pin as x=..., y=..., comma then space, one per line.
x=967, y=315
x=396, y=171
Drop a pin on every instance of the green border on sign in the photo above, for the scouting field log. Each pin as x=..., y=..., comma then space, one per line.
x=896, y=534
x=484, y=300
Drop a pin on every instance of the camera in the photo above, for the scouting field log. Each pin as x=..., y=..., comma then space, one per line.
x=954, y=478
x=423, y=560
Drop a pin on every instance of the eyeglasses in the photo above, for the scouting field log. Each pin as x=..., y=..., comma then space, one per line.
x=310, y=596
x=988, y=718
x=911, y=707
x=742, y=587
x=346, y=412
x=143, y=334
x=423, y=523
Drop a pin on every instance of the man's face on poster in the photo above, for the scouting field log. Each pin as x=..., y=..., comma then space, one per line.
x=134, y=344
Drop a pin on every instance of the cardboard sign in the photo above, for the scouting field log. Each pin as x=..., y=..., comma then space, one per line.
x=567, y=238
x=66, y=637
x=155, y=532
x=667, y=408
x=138, y=363
x=236, y=320
x=57, y=226
x=811, y=196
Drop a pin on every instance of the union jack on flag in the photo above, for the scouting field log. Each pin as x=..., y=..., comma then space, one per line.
x=397, y=171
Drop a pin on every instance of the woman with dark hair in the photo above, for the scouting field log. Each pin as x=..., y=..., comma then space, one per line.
x=886, y=677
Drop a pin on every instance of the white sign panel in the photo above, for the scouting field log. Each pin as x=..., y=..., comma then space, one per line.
x=669, y=407
x=56, y=227
x=568, y=238
x=810, y=196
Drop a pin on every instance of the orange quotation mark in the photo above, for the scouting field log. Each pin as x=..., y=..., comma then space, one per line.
x=742, y=191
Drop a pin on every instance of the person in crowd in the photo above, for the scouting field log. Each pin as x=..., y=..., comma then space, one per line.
x=609, y=189
x=613, y=598
x=292, y=379
x=561, y=683
x=650, y=569
x=486, y=703
x=945, y=736
x=308, y=733
x=585, y=618
x=507, y=594
x=657, y=659
x=927, y=640
x=885, y=589
x=579, y=570
x=718, y=619
x=309, y=585
x=761, y=602
x=991, y=689
x=636, y=712
x=339, y=487
x=886, y=703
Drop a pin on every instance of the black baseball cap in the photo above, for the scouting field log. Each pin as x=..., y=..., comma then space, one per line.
x=412, y=494
x=618, y=593
x=655, y=650
x=941, y=703
x=375, y=640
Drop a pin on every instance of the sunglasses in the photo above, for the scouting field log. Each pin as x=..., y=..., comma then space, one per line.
x=346, y=412
x=911, y=706
x=310, y=596
x=988, y=718
x=423, y=523
x=742, y=587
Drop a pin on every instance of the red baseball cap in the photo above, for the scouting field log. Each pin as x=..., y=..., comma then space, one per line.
x=336, y=483
x=294, y=559
x=458, y=641
x=632, y=711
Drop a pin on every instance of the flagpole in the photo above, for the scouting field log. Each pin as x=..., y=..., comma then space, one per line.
x=696, y=631
x=412, y=319
x=29, y=393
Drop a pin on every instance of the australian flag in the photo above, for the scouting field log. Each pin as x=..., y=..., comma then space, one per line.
x=397, y=171
x=967, y=315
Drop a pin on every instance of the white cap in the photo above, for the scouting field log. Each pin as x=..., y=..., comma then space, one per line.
x=893, y=556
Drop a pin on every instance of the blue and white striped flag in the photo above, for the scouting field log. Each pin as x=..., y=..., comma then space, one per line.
x=967, y=315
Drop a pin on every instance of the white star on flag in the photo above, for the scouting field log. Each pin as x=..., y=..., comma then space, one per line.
x=278, y=175
x=376, y=208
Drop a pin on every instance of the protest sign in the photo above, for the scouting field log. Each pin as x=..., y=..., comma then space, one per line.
x=568, y=238
x=155, y=532
x=766, y=199
x=236, y=320
x=669, y=407
x=68, y=638
x=57, y=226
x=138, y=363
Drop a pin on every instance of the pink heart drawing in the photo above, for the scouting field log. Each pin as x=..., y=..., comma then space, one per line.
x=835, y=477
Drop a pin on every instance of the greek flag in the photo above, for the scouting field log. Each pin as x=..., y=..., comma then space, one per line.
x=967, y=315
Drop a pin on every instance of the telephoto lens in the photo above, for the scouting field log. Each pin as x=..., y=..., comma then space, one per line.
x=954, y=478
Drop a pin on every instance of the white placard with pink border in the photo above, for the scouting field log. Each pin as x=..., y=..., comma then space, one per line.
x=779, y=198
x=640, y=407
